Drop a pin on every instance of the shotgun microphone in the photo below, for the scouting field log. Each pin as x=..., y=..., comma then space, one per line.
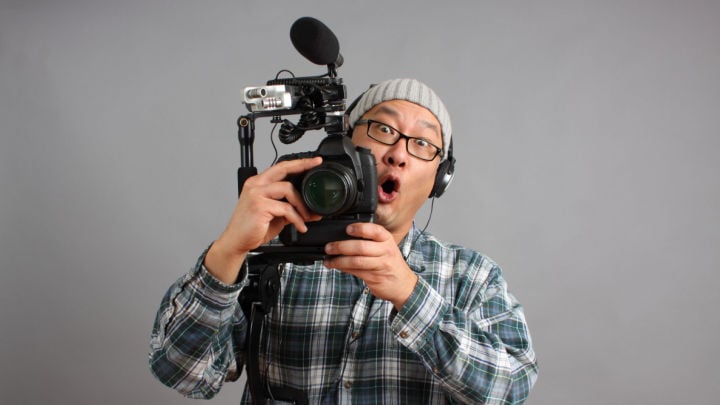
x=316, y=42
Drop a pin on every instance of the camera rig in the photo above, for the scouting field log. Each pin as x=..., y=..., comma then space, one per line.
x=320, y=102
x=343, y=187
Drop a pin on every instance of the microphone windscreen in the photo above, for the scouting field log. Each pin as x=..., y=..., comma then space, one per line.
x=315, y=41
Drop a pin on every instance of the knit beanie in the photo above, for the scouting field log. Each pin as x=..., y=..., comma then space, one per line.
x=409, y=90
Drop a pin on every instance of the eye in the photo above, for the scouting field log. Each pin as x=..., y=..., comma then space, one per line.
x=385, y=129
x=422, y=143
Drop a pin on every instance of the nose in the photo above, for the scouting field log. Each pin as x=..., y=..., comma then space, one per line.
x=397, y=154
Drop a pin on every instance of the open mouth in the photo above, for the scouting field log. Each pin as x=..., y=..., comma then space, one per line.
x=388, y=189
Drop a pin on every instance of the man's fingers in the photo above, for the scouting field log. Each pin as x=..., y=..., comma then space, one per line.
x=367, y=230
x=282, y=170
x=279, y=209
x=285, y=191
x=352, y=247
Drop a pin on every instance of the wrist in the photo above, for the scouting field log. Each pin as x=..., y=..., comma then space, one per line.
x=224, y=264
x=400, y=301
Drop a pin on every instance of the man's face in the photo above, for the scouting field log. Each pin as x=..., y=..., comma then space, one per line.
x=404, y=181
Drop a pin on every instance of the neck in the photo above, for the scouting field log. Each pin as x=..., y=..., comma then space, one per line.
x=400, y=234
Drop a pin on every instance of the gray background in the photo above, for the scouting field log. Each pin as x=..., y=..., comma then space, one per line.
x=587, y=136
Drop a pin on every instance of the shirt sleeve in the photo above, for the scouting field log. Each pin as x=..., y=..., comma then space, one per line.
x=198, y=334
x=476, y=342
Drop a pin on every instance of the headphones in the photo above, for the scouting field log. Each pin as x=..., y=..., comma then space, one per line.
x=445, y=171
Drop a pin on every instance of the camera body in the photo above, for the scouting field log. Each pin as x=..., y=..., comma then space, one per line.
x=343, y=189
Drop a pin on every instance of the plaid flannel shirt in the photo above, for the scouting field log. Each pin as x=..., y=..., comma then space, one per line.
x=460, y=338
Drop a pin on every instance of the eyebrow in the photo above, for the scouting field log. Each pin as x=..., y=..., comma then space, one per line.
x=387, y=110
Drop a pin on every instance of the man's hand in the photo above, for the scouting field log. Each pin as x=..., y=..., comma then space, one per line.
x=267, y=203
x=376, y=259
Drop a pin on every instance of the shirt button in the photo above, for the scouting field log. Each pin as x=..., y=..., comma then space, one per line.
x=403, y=335
x=366, y=290
x=355, y=335
x=348, y=384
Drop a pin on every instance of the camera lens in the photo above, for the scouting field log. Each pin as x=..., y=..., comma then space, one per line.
x=328, y=189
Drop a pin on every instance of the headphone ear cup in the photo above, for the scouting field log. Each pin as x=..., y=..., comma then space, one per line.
x=443, y=177
x=445, y=174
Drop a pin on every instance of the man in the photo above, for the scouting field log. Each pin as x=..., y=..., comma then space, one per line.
x=394, y=316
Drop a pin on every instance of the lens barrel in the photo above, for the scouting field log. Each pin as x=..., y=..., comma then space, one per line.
x=329, y=189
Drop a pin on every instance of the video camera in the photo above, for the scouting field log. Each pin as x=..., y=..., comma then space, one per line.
x=343, y=189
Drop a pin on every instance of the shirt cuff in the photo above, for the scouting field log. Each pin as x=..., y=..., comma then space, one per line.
x=216, y=289
x=419, y=317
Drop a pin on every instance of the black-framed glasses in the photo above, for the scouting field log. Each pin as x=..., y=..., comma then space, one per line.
x=421, y=148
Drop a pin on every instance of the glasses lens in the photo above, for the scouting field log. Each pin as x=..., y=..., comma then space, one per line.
x=421, y=148
x=418, y=147
x=382, y=133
